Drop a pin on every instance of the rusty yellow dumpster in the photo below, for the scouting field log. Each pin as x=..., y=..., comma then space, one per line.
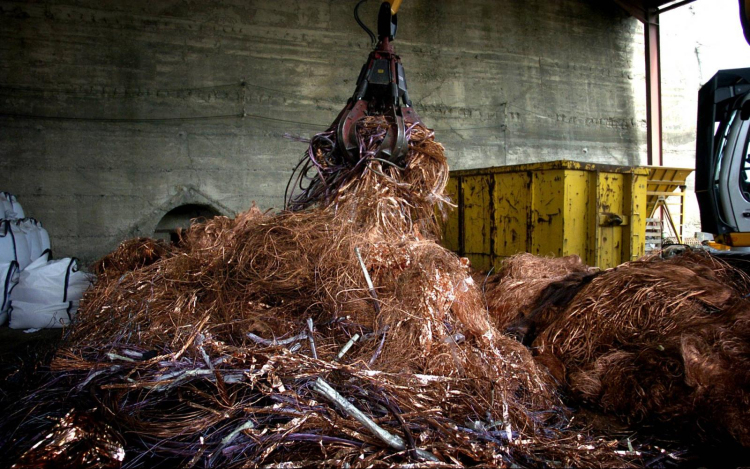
x=555, y=208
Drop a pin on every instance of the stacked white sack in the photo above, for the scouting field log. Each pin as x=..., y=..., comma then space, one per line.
x=8, y=279
x=47, y=294
x=10, y=209
x=23, y=241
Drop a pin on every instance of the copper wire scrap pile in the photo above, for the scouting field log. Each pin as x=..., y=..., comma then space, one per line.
x=658, y=342
x=338, y=333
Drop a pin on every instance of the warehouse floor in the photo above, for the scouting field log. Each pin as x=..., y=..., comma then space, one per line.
x=17, y=342
x=22, y=354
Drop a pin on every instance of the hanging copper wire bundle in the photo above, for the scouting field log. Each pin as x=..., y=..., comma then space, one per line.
x=323, y=174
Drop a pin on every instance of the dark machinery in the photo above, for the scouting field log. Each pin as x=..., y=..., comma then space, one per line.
x=745, y=18
x=381, y=90
x=337, y=154
x=722, y=154
x=722, y=182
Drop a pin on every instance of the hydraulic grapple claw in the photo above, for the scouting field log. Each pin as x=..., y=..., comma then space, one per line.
x=381, y=90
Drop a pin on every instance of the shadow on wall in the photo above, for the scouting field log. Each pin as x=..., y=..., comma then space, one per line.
x=182, y=217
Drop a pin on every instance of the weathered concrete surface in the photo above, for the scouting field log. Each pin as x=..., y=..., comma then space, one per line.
x=114, y=112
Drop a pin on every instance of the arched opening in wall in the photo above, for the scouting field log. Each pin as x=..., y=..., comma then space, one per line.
x=181, y=217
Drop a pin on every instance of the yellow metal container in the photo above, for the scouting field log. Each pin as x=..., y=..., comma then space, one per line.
x=556, y=208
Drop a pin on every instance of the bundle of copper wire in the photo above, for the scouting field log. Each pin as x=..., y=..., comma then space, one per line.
x=514, y=292
x=649, y=342
x=661, y=341
x=78, y=440
x=131, y=255
x=337, y=334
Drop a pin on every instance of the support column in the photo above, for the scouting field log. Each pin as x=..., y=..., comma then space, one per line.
x=653, y=88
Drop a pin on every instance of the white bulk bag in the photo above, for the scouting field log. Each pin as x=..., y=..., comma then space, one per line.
x=8, y=279
x=5, y=204
x=9, y=206
x=46, y=246
x=7, y=243
x=14, y=245
x=50, y=282
x=39, y=316
x=36, y=236
x=23, y=248
x=34, y=240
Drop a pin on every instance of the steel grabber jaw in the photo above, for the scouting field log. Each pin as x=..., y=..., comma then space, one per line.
x=394, y=145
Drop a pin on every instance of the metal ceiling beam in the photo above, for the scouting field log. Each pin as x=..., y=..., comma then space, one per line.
x=636, y=9
x=675, y=5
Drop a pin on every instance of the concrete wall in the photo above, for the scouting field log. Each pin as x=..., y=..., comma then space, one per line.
x=114, y=112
